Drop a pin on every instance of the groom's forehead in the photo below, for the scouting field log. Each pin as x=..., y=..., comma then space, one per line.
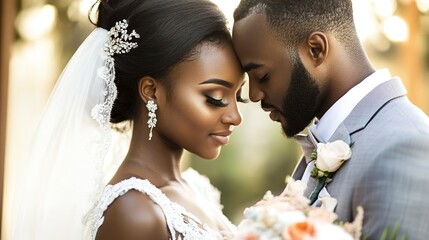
x=249, y=32
x=254, y=40
x=252, y=25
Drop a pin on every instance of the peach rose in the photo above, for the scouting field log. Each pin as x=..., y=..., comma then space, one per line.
x=250, y=237
x=299, y=231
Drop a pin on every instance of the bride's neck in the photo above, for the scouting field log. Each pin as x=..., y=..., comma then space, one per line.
x=156, y=158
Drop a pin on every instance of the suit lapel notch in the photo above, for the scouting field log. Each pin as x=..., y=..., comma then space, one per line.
x=368, y=107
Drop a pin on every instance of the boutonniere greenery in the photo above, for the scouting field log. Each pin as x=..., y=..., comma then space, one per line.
x=328, y=159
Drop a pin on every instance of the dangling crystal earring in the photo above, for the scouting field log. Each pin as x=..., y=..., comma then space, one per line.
x=151, y=107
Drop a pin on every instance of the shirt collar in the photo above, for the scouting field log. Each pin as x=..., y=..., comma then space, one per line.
x=338, y=112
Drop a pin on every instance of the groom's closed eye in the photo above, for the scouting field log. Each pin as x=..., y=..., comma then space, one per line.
x=263, y=79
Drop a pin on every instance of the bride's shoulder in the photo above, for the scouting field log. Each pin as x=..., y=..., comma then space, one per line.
x=127, y=209
x=133, y=215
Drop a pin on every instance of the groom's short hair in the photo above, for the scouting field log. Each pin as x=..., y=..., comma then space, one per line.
x=293, y=20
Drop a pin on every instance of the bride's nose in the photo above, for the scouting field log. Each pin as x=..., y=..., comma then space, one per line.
x=232, y=115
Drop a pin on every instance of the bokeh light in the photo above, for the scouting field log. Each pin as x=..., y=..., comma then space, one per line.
x=423, y=5
x=385, y=8
x=396, y=29
x=36, y=22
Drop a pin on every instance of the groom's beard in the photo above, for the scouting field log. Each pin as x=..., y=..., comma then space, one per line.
x=300, y=101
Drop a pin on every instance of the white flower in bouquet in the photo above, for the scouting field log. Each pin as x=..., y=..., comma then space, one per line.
x=289, y=217
x=294, y=194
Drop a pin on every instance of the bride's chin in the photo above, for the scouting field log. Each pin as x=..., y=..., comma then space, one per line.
x=210, y=155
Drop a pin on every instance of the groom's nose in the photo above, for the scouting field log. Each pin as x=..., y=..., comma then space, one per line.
x=255, y=93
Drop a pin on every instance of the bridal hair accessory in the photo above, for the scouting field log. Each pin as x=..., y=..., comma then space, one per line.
x=119, y=42
x=151, y=107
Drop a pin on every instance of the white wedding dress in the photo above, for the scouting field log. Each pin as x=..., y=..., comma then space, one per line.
x=181, y=224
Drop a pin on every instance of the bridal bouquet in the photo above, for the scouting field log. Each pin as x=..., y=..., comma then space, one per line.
x=289, y=217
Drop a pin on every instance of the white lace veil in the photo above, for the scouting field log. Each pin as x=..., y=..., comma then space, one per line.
x=65, y=169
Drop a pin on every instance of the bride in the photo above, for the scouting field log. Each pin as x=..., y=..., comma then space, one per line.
x=169, y=69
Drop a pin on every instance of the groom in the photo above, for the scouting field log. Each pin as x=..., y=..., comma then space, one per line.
x=304, y=61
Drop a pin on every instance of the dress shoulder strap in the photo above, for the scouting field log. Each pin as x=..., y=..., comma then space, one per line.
x=111, y=192
x=181, y=224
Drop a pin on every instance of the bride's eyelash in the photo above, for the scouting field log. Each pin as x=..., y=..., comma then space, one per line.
x=216, y=102
x=242, y=100
x=221, y=103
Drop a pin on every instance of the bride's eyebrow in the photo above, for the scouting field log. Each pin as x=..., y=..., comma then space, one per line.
x=219, y=82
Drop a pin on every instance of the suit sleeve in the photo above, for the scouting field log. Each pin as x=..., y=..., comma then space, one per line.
x=395, y=189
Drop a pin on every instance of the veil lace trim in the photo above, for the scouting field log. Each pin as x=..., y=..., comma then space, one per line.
x=119, y=42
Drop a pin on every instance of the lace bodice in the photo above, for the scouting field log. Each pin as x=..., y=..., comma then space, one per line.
x=181, y=224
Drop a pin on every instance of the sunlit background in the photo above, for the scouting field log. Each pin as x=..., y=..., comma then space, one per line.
x=395, y=34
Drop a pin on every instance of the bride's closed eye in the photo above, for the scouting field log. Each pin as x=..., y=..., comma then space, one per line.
x=222, y=102
x=216, y=102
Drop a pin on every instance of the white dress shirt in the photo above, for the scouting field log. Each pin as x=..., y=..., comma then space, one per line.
x=344, y=106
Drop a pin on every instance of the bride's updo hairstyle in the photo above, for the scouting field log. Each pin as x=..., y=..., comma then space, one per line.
x=170, y=31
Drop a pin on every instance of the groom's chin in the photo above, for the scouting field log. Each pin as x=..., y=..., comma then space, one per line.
x=290, y=130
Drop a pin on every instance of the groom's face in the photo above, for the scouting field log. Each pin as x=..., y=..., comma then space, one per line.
x=285, y=88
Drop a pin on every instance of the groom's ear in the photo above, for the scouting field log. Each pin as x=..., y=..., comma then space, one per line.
x=147, y=87
x=317, y=47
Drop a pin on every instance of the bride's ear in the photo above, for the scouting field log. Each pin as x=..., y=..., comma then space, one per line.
x=147, y=88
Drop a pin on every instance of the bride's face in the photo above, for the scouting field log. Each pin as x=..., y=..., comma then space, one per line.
x=201, y=109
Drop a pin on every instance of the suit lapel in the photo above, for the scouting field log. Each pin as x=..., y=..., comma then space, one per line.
x=342, y=133
x=299, y=169
x=367, y=108
x=358, y=119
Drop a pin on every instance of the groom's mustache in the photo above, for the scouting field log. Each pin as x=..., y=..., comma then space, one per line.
x=267, y=106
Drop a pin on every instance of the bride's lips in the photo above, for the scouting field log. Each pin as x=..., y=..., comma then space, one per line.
x=221, y=137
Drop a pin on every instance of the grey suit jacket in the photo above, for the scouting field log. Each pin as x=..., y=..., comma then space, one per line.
x=388, y=173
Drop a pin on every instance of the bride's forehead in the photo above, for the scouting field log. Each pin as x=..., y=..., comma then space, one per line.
x=209, y=62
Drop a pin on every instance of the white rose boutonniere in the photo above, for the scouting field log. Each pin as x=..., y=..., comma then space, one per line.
x=329, y=157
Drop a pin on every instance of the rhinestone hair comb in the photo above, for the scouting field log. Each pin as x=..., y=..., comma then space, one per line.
x=119, y=42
